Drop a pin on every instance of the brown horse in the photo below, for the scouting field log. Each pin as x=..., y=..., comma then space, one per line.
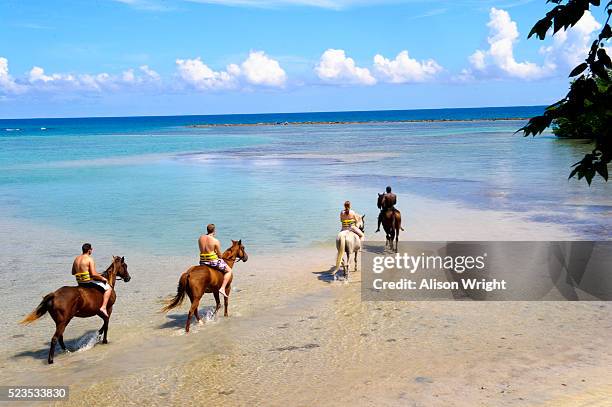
x=391, y=221
x=198, y=280
x=67, y=302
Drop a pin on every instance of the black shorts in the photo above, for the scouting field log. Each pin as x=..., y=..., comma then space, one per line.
x=92, y=285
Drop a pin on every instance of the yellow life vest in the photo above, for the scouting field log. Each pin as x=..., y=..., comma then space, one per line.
x=83, y=277
x=209, y=256
x=347, y=222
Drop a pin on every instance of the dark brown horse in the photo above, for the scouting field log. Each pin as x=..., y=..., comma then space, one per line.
x=67, y=302
x=391, y=221
x=198, y=280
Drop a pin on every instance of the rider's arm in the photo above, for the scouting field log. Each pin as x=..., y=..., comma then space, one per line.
x=218, y=248
x=74, y=269
x=93, y=273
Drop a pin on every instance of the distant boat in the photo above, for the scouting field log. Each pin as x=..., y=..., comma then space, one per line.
x=43, y=128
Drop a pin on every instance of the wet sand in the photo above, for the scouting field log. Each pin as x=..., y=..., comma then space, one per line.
x=296, y=338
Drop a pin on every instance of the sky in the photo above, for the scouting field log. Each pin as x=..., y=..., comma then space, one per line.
x=170, y=57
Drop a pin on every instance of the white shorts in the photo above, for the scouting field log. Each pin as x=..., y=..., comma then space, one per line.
x=98, y=285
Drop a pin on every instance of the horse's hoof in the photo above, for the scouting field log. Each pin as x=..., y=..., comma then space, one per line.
x=104, y=342
x=50, y=362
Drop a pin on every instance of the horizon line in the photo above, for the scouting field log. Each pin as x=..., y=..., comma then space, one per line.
x=264, y=113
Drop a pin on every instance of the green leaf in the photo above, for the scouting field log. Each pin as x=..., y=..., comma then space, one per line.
x=540, y=28
x=573, y=173
x=599, y=70
x=604, y=58
x=602, y=169
x=589, y=174
x=578, y=70
x=606, y=32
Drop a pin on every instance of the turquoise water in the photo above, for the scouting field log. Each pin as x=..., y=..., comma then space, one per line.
x=155, y=183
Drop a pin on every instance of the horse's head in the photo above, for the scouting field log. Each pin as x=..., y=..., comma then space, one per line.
x=381, y=200
x=121, y=268
x=241, y=254
x=360, y=222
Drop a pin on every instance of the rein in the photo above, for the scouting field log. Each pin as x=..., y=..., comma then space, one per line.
x=106, y=275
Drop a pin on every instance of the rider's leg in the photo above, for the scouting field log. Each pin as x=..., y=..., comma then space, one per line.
x=380, y=216
x=358, y=232
x=226, y=278
x=105, y=299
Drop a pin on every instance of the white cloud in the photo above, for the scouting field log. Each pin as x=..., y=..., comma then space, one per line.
x=499, y=60
x=7, y=83
x=328, y=4
x=166, y=5
x=404, y=69
x=149, y=74
x=148, y=5
x=259, y=69
x=198, y=74
x=335, y=67
x=38, y=80
x=570, y=48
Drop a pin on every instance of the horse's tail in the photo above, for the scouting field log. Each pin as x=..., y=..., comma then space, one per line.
x=341, y=249
x=181, y=289
x=41, y=310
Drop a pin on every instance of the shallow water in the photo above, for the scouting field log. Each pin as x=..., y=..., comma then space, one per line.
x=155, y=188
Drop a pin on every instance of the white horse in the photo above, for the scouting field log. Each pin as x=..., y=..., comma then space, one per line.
x=347, y=242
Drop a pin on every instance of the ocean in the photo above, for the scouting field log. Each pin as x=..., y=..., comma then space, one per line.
x=155, y=182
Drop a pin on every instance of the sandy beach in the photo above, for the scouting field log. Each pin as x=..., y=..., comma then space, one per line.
x=296, y=337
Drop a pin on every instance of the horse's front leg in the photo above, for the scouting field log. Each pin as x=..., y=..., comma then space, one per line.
x=104, y=329
x=110, y=311
x=217, y=301
x=228, y=288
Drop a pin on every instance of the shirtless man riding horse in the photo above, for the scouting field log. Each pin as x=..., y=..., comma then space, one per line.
x=84, y=270
x=210, y=255
x=388, y=199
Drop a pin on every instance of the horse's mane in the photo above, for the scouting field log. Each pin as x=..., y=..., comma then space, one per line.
x=227, y=252
x=105, y=274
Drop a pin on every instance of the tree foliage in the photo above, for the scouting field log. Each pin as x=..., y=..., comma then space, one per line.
x=585, y=126
x=585, y=99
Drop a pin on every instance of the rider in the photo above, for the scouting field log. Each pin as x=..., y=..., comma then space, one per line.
x=84, y=270
x=210, y=255
x=389, y=201
x=349, y=220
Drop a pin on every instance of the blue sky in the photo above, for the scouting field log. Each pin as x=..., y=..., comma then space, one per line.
x=143, y=57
